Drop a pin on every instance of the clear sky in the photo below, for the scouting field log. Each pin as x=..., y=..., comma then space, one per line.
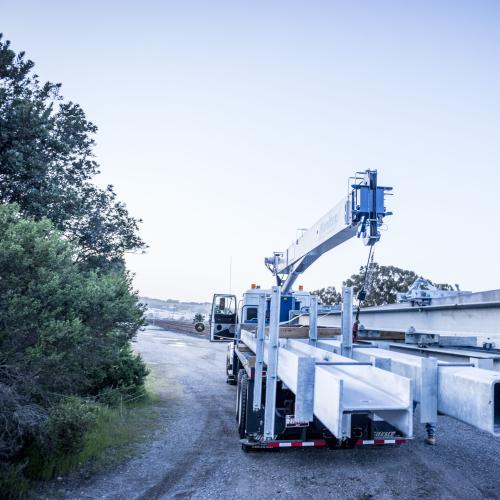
x=228, y=125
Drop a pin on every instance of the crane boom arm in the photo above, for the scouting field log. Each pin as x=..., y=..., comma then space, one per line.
x=360, y=213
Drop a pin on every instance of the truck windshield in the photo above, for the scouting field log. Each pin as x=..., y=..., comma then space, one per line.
x=225, y=305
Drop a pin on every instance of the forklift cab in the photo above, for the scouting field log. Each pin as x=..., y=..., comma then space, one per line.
x=223, y=318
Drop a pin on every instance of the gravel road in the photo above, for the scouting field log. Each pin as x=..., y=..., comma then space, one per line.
x=196, y=453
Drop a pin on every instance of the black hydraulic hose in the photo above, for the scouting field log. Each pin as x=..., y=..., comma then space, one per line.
x=362, y=294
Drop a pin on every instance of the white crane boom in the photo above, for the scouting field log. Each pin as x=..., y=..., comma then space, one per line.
x=360, y=213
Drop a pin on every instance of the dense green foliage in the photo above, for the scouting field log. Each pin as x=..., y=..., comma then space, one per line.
x=328, y=295
x=47, y=163
x=64, y=331
x=384, y=282
x=67, y=308
x=199, y=318
x=97, y=428
x=63, y=431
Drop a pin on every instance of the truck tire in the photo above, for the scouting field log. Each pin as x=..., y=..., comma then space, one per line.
x=231, y=379
x=242, y=421
x=238, y=392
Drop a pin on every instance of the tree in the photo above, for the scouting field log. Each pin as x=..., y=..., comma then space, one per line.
x=67, y=308
x=198, y=318
x=64, y=330
x=384, y=282
x=328, y=295
x=47, y=163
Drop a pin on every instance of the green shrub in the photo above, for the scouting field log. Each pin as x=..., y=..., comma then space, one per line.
x=13, y=483
x=111, y=397
x=61, y=437
x=123, y=370
x=70, y=328
x=67, y=307
x=64, y=331
x=63, y=432
x=109, y=428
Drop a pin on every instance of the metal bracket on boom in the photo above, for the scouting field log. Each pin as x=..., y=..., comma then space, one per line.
x=366, y=206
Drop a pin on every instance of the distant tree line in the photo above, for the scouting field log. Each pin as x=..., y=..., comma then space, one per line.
x=384, y=282
x=67, y=307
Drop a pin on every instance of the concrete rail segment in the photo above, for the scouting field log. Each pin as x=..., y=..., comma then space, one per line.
x=466, y=393
x=333, y=387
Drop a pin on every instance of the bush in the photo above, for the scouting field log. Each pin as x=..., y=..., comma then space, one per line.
x=67, y=308
x=123, y=370
x=13, y=483
x=19, y=419
x=111, y=397
x=63, y=432
x=64, y=331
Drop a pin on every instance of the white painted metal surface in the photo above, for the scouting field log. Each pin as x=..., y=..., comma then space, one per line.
x=259, y=351
x=466, y=393
x=295, y=370
x=338, y=389
x=272, y=363
x=313, y=323
x=329, y=231
x=346, y=321
x=476, y=314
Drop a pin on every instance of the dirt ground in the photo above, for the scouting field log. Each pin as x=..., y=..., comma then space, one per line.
x=196, y=453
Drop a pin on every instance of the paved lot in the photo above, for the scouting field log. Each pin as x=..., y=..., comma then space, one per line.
x=196, y=453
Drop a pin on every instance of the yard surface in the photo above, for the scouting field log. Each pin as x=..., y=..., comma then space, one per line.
x=196, y=453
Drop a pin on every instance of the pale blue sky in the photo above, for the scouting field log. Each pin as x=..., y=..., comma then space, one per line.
x=227, y=125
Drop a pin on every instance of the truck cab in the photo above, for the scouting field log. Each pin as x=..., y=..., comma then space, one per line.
x=223, y=317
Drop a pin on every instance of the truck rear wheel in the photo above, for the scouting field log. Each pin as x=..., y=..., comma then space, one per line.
x=231, y=378
x=242, y=421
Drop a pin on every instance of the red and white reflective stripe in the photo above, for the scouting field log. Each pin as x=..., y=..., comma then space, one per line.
x=362, y=442
x=295, y=444
x=359, y=442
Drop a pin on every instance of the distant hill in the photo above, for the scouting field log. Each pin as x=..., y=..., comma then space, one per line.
x=174, y=309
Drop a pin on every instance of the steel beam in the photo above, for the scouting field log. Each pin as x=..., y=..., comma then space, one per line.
x=466, y=393
x=457, y=317
x=272, y=363
x=481, y=359
x=347, y=387
x=471, y=395
x=296, y=370
x=313, y=320
x=346, y=321
x=259, y=352
x=428, y=382
x=333, y=392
